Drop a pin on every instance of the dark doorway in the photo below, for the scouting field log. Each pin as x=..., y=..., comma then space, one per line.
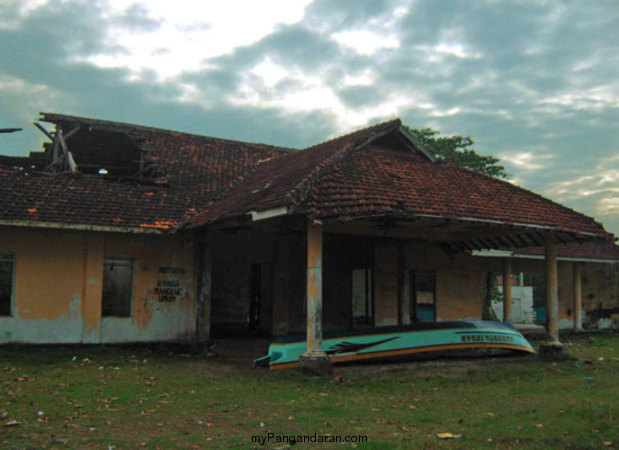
x=362, y=305
x=241, y=298
x=255, y=294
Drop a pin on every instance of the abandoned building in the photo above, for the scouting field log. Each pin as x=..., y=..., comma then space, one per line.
x=124, y=233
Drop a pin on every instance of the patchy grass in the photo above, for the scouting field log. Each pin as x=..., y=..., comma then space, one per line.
x=101, y=397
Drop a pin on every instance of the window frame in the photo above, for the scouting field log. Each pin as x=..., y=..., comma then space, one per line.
x=414, y=305
x=10, y=256
x=132, y=265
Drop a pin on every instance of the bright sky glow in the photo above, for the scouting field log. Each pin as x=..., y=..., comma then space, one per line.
x=527, y=160
x=187, y=33
x=365, y=42
x=535, y=83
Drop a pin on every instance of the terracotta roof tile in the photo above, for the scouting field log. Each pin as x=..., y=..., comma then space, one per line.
x=349, y=181
x=287, y=180
x=602, y=250
x=368, y=173
x=197, y=170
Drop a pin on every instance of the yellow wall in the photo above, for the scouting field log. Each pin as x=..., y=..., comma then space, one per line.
x=59, y=279
x=600, y=294
x=459, y=282
x=600, y=289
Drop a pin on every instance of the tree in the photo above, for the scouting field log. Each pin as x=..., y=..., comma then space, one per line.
x=457, y=149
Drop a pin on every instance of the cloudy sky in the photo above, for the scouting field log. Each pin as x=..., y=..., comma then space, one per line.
x=535, y=83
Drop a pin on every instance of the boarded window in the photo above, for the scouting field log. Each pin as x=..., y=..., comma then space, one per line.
x=117, y=287
x=7, y=276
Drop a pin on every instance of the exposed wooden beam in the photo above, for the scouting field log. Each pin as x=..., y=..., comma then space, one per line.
x=44, y=131
x=72, y=132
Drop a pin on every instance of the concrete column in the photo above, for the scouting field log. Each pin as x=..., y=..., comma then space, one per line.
x=205, y=286
x=314, y=361
x=553, y=346
x=577, y=296
x=507, y=290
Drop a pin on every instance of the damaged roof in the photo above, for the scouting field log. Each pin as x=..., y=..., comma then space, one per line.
x=380, y=173
x=160, y=180
x=191, y=171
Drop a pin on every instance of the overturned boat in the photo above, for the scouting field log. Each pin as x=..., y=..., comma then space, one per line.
x=422, y=337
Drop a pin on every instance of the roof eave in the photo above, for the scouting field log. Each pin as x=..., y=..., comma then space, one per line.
x=83, y=227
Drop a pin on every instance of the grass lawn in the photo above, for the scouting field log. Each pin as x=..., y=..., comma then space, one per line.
x=102, y=397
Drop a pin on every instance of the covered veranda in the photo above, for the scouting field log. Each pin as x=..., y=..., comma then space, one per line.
x=296, y=240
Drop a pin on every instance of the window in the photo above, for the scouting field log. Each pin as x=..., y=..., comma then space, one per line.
x=7, y=275
x=423, y=296
x=117, y=287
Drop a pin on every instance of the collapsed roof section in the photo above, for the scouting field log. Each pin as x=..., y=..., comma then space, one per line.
x=151, y=178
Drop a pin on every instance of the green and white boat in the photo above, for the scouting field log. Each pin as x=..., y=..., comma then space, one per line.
x=421, y=337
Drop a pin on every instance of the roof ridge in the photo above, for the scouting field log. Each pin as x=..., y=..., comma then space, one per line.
x=55, y=117
x=301, y=190
x=348, y=135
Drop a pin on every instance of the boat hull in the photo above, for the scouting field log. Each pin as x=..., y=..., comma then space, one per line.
x=422, y=337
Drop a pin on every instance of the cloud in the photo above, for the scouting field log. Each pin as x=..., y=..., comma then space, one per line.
x=181, y=36
x=608, y=206
x=526, y=160
x=533, y=82
x=365, y=42
x=604, y=179
x=598, y=190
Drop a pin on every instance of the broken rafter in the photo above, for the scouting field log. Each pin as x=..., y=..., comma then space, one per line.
x=10, y=130
x=63, y=160
x=44, y=131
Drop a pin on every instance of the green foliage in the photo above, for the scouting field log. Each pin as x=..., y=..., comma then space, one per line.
x=458, y=149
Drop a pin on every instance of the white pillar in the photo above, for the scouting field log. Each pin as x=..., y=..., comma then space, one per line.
x=314, y=361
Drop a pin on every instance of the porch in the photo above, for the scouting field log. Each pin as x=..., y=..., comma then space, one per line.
x=293, y=275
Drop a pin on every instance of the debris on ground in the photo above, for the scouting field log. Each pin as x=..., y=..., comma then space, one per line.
x=448, y=436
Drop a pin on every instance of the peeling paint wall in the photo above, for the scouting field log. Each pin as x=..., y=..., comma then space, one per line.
x=59, y=281
x=163, y=290
x=600, y=289
x=600, y=295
